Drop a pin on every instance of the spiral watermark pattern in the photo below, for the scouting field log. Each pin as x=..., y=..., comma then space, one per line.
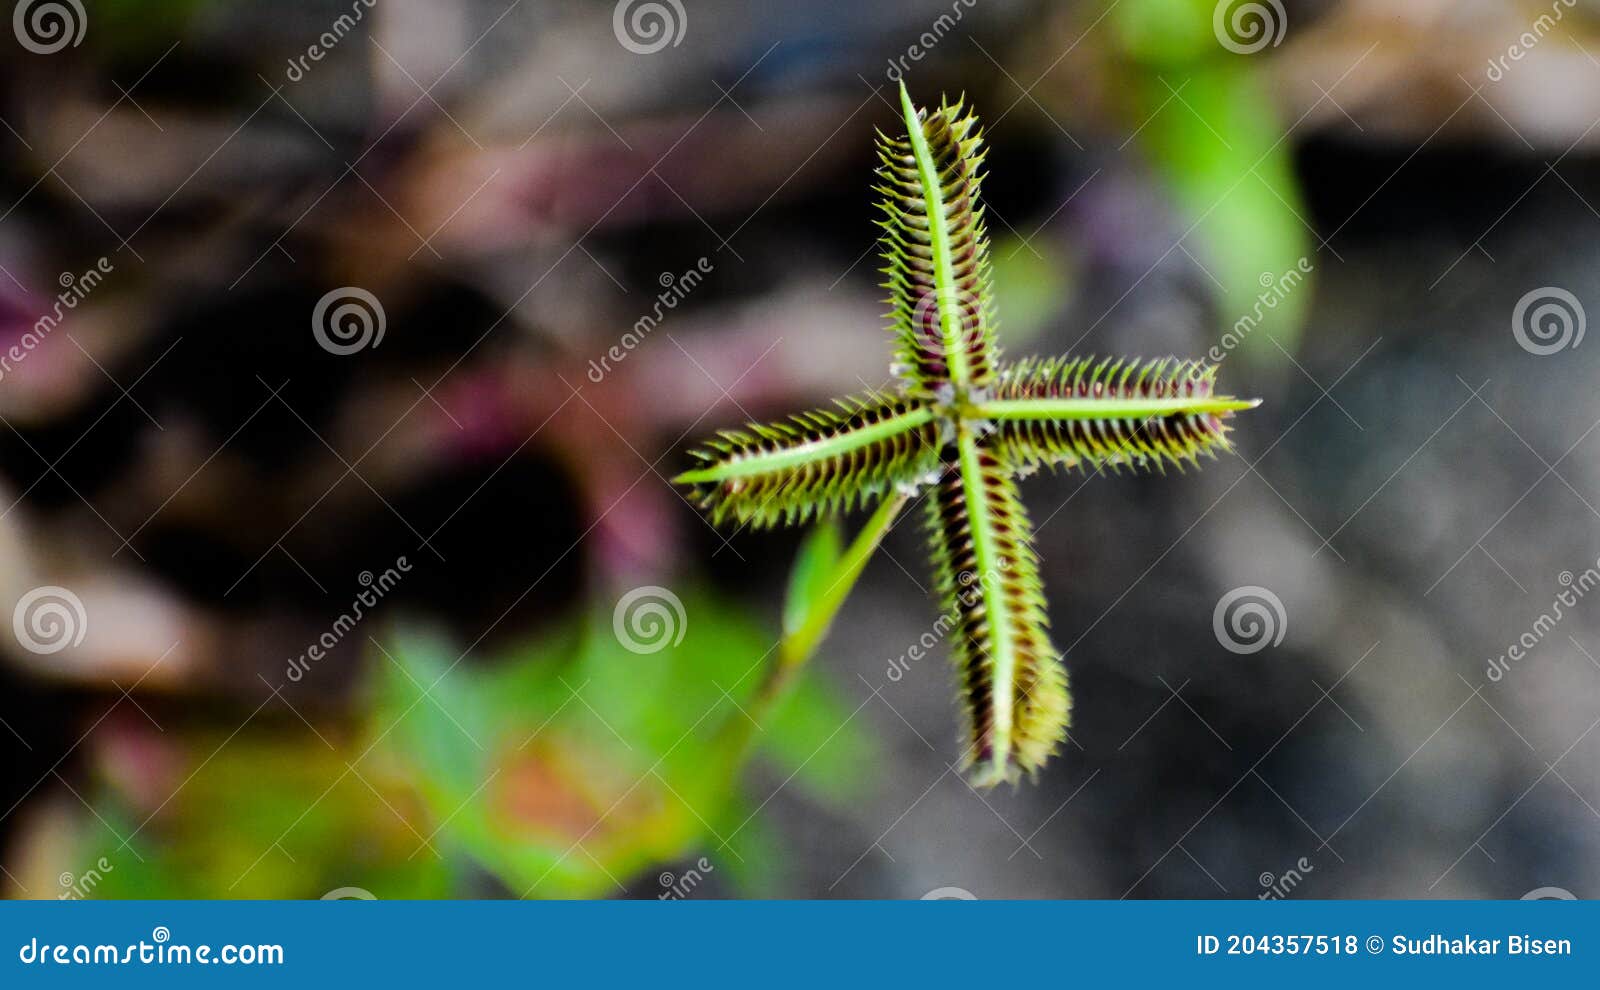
x=648, y=27
x=1547, y=320
x=1250, y=26
x=49, y=619
x=160, y=934
x=949, y=894
x=927, y=321
x=649, y=619
x=45, y=27
x=1549, y=894
x=1249, y=619
x=349, y=894
x=348, y=320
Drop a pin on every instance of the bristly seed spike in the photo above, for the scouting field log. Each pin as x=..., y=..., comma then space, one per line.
x=966, y=428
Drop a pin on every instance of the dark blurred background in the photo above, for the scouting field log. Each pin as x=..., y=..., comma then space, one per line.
x=348, y=347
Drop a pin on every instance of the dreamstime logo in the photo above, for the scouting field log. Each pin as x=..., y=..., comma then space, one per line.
x=374, y=587
x=676, y=888
x=1574, y=586
x=349, y=894
x=74, y=290
x=927, y=322
x=49, y=619
x=647, y=28
x=76, y=888
x=949, y=894
x=968, y=594
x=342, y=26
x=674, y=290
x=649, y=619
x=1542, y=25
x=44, y=27
x=1549, y=894
x=1548, y=320
x=348, y=320
x=1248, y=27
x=1249, y=619
x=1277, y=887
x=929, y=39
x=1274, y=290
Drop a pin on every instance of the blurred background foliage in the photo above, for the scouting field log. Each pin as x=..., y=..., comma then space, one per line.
x=517, y=187
x=482, y=781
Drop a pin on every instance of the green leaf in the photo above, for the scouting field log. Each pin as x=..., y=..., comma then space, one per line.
x=1208, y=121
x=835, y=584
x=598, y=761
x=809, y=578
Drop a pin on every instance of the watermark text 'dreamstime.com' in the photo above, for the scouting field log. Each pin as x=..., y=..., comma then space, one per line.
x=674, y=289
x=74, y=290
x=374, y=588
x=327, y=41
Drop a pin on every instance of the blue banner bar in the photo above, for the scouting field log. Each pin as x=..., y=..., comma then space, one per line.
x=1313, y=943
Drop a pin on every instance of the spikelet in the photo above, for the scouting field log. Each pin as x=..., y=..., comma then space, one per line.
x=969, y=428
x=936, y=251
x=1114, y=438
x=816, y=463
x=1012, y=686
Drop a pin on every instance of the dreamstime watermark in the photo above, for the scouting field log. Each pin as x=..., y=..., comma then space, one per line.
x=76, y=888
x=74, y=290
x=1549, y=894
x=1274, y=290
x=1248, y=26
x=676, y=887
x=328, y=40
x=648, y=27
x=949, y=894
x=674, y=289
x=1277, y=887
x=929, y=39
x=1547, y=320
x=1576, y=587
x=347, y=320
x=1527, y=40
x=649, y=619
x=349, y=894
x=1249, y=619
x=49, y=619
x=967, y=592
x=928, y=319
x=160, y=951
x=374, y=588
x=45, y=27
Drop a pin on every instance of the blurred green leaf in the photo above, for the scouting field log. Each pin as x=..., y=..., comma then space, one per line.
x=566, y=767
x=572, y=764
x=1210, y=127
x=808, y=581
x=1036, y=279
x=264, y=814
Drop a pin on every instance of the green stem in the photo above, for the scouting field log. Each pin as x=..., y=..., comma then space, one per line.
x=1104, y=408
x=800, y=644
x=944, y=280
x=1002, y=653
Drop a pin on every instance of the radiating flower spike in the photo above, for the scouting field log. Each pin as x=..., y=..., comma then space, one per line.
x=966, y=429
